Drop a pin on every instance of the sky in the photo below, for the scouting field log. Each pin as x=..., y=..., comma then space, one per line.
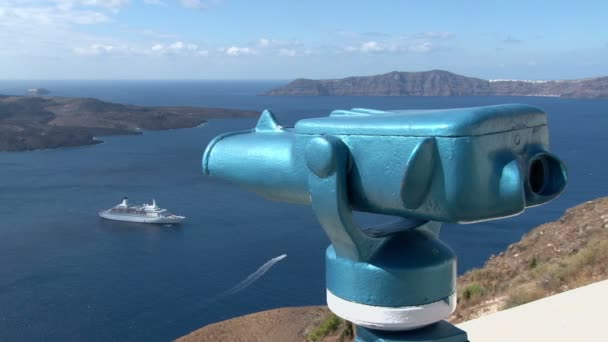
x=286, y=39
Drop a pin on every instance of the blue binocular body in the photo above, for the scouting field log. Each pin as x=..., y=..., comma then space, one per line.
x=423, y=166
x=455, y=165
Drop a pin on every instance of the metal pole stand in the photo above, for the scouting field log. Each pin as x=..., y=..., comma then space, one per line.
x=441, y=331
x=398, y=278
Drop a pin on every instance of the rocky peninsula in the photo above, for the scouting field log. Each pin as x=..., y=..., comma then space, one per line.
x=552, y=258
x=32, y=122
x=441, y=83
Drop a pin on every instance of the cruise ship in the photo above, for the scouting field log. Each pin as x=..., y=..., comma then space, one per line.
x=146, y=213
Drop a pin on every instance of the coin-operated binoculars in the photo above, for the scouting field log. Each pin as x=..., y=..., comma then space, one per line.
x=396, y=282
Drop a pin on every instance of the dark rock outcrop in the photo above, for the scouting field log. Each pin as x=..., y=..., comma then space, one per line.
x=28, y=123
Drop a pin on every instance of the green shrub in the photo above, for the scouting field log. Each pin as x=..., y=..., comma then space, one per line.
x=533, y=263
x=347, y=333
x=327, y=327
x=473, y=291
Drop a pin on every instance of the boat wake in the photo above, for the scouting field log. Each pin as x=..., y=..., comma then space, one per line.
x=204, y=303
x=253, y=276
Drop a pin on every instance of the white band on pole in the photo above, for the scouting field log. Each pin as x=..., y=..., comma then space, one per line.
x=391, y=318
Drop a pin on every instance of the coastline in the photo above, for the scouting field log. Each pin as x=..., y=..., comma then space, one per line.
x=39, y=123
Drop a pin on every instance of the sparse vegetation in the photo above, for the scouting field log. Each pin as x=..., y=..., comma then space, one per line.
x=576, y=270
x=533, y=262
x=473, y=291
x=347, y=333
x=550, y=259
x=519, y=296
x=327, y=327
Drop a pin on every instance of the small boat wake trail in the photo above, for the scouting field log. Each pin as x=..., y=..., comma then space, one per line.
x=202, y=304
x=252, y=277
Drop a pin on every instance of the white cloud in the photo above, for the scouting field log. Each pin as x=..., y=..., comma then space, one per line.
x=511, y=40
x=176, y=48
x=15, y=16
x=436, y=35
x=50, y=28
x=273, y=43
x=195, y=4
x=284, y=48
x=239, y=51
x=113, y=4
x=378, y=42
x=157, y=47
x=97, y=49
x=421, y=47
x=263, y=42
x=371, y=46
x=43, y=28
x=155, y=2
x=287, y=52
x=390, y=46
x=106, y=4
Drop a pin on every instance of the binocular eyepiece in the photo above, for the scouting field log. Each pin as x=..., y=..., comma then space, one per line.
x=546, y=178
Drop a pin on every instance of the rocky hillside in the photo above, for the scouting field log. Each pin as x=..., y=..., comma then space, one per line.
x=552, y=258
x=430, y=83
x=28, y=123
x=440, y=83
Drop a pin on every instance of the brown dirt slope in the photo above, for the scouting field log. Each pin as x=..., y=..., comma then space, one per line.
x=552, y=258
x=285, y=324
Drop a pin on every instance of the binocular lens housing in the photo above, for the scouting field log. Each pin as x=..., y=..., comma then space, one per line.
x=546, y=178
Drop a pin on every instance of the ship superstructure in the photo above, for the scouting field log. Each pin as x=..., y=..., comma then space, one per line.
x=146, y=213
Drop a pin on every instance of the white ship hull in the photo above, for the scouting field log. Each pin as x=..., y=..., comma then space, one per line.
x=173, y=219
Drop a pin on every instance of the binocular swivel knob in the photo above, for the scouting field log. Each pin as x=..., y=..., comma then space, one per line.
x=321, y=155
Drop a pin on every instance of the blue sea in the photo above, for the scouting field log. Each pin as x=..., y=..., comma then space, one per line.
x=66, y=275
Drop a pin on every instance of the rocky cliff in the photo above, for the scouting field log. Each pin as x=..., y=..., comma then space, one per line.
x=441, y=83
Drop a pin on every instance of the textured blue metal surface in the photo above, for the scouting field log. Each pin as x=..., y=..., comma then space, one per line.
x=461, y=165
x=411, y=269
x=423, y=123
x=387, y=173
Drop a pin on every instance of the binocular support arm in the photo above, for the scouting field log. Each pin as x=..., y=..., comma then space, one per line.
x=327, y=158
x=357, y=260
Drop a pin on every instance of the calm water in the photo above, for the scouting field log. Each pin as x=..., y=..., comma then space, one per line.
x=67, y=275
